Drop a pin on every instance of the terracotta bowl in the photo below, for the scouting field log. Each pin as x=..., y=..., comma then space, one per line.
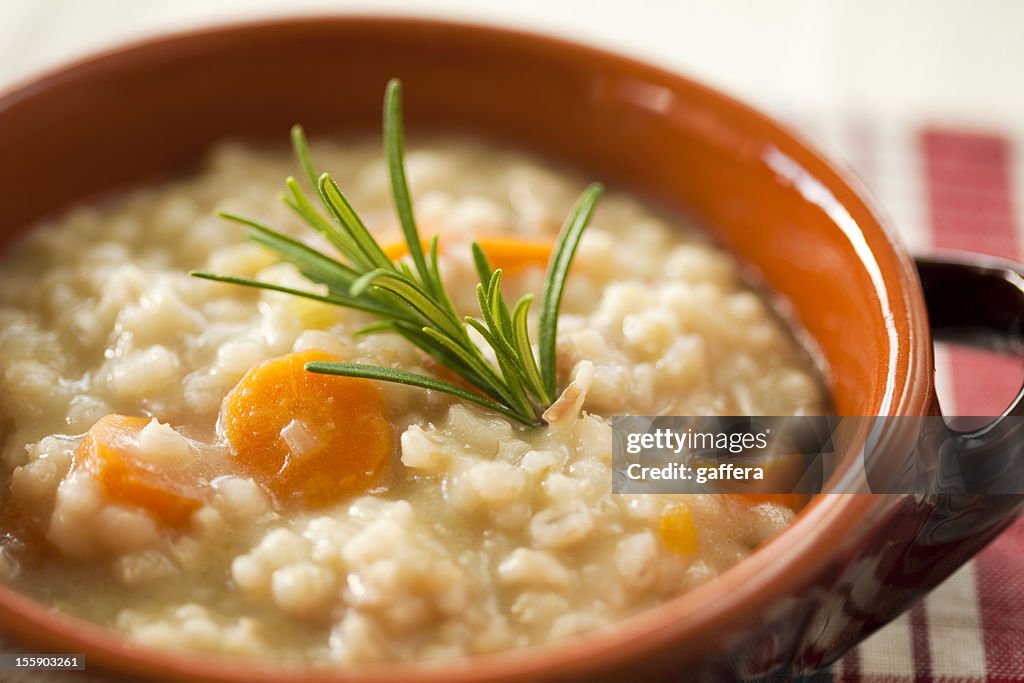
x=848, y=564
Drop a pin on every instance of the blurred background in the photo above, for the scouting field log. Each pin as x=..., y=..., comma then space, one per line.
x=894, y=58
x=924, y=99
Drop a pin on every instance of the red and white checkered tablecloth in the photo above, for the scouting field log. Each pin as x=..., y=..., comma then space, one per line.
x=948, y=187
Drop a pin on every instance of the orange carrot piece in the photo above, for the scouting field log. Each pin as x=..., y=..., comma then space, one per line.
x=507, y=253
x=397, y=250
x=512, y=254
x=108, y=451
x=312, y=440
x=678, y=531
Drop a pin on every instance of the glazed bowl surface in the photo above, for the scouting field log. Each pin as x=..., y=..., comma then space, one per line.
x=801, y=226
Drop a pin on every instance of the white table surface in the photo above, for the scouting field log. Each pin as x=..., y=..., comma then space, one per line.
x=895, y=59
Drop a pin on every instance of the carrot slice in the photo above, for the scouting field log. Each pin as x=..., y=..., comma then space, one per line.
x=312, y=440
x=678, y=531
x=109, y=451
x=397, y=250
x=507, y=253
x=512, y=254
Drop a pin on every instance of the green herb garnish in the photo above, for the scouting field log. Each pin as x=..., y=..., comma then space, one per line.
x=412, y=302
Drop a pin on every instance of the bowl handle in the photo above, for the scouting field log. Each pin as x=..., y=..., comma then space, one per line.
x=979, y=301
x=921, y=539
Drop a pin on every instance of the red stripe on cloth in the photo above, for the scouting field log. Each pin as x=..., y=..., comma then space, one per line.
x=1001, y=598
x=969, y=192
x=970, y=200
x=851, y=667
x=920, y=644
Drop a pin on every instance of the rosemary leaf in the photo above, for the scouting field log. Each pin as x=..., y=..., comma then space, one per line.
x=360, y=304
x=483, y=268
x=412, y=301
x=394, y=150
x=521, y=337
x=313, y=264
x=435, y=273
x=494, y=337
x=470, y=355
x=411, y=379
x=444, y=357
x=409, y=292
x=303, y=155
x=499, y=309
x=554, y=282
x=508, y=359
x=375, y=328
x=336, y=203
x=341, y=241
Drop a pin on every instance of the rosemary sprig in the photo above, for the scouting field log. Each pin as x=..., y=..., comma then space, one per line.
x=412, y=302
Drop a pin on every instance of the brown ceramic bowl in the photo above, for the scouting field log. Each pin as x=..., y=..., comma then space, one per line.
x=849, y=563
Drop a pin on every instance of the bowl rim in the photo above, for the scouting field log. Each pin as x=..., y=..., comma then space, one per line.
x=685, y=622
